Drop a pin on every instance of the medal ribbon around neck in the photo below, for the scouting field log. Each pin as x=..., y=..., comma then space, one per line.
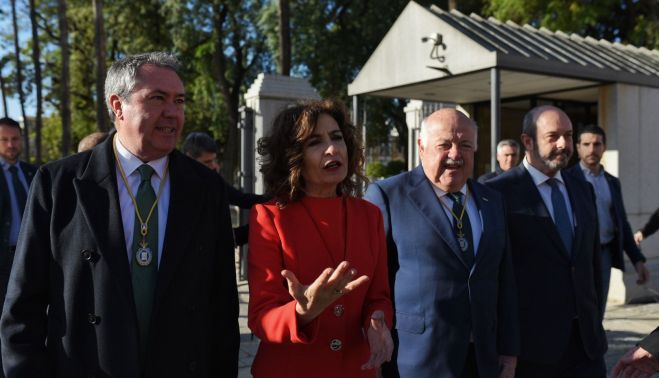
x=458, y=220
x=144, y=228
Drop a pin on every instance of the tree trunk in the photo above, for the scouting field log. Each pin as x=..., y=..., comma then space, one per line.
x=65, y=106
x=99, y=42
x=284, y=39
x=19, y=84
x=36, y=61
x=4, y=94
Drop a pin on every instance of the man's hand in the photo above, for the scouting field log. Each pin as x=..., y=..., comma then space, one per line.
x=379, y=341
x=642, y=273
x=638, y=238
x=637, y=362
x=507, y=365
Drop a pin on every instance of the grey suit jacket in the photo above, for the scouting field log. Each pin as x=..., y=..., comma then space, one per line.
x=439, y=301
x=70, y=311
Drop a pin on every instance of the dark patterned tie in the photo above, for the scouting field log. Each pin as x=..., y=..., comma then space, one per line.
x=19, y=189
x=561, y=216
x=466, y=245
x=144, y=275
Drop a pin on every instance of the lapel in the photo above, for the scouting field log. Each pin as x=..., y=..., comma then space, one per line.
x=186, y=198
x=487, y=212
x=28, y=172
x=532, y=203
x=96, y=189
x=571, y=185
x=421, y=194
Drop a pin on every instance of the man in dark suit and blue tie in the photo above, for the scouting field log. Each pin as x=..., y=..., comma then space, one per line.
x=125, y=266
x=14, y=184
x=449, y=261
x=614, y=229
x=552, y=222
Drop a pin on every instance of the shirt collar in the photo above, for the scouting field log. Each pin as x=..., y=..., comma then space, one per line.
x=587, y=171
x=130, y=162
x=440, y=193
x=538, y=177
x=6, y=165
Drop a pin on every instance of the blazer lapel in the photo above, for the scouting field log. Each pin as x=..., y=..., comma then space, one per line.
x=424, y=198
x=186, y=197
x=97, y=192
x=486, y=210
x=578, y=216
x=28, y=173
x=533, y=203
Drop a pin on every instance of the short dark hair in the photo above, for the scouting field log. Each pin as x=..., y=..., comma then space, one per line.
x=282, y=152
x=197, y=142
x=591, y=129
x=10, y=122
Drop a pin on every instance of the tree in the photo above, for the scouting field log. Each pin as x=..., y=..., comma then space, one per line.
x=19, y=81
x=3, y=84
x=222, y=43
x=626, y=21
x=99, y=44
x=36, y=62
x=284, y=61
x=65, y=102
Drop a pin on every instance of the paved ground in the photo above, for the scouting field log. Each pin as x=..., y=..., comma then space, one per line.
x=624, y=326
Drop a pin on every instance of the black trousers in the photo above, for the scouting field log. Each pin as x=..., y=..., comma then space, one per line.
x=471, y=369
x=573, y=364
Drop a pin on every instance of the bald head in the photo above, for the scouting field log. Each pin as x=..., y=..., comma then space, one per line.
x=442, y=116
x=447, y=142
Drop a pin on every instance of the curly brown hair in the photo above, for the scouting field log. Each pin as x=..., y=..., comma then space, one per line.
x=282, y=152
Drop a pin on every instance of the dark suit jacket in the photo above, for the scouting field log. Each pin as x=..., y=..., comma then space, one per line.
x=490, y=175
x=554, y=285
x=624, y=238
x=651, y=343
x=29, y=171
x=7, y=257
x=71, y=283
x=652, y=225
x=438, y=300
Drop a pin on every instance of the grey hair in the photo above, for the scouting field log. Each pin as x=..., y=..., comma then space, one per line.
x=122, y=75
x=507, y=142
x=423, y=131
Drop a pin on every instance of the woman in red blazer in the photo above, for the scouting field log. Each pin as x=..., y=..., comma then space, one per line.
x=319, y=292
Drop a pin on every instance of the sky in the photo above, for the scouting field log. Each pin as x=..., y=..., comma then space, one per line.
x=6, y=29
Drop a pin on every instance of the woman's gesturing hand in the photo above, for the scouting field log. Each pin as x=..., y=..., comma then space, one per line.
x=379, y=340
x=327, y=288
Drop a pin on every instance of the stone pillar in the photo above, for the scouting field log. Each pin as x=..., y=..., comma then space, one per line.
x=267, y=96
x=629, y=114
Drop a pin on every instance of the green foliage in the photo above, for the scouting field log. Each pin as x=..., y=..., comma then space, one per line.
x=377, y=170
x=627, y=21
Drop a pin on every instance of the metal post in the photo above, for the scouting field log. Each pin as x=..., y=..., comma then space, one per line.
x=495, y=116
x=247, y=173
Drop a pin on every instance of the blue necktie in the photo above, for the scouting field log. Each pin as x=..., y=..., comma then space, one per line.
x=561, y=216
x=19, y=190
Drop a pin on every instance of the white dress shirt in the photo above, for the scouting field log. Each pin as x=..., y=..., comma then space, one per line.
x=472, y=211
x=540, y=181
x=130, y=163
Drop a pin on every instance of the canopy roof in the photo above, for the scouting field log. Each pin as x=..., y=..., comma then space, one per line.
x=431, y=54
